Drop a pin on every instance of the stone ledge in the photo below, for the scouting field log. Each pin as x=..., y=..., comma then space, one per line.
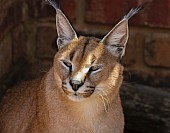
x=146, y=109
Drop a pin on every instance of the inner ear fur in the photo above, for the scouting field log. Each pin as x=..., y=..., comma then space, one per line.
x=116, y=39
x=65, y=31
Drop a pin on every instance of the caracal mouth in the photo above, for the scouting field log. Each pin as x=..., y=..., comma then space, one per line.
x=79, y=97
x=76, y=98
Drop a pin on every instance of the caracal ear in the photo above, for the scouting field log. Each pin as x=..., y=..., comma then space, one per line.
x=116, y=39
x=65, y=31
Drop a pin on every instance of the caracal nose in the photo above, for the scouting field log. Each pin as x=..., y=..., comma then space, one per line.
x=76, y=84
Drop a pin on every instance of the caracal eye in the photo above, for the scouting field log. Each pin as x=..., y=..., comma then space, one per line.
x=95, y=68
x=66, y=63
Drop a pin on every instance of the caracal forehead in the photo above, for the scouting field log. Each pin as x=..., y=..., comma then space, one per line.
x=87, y=50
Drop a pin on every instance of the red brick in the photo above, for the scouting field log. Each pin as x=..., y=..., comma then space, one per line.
x=159, y=13
x=45, y=10
x=46, y=46
x=156, y=13
x=129, y=57
x=18, y=43
x=106, y=11
x=69, y=8
x=156, y=50
x=40, y=9
x=10, y=15
x=30, y=8
x=5, y=55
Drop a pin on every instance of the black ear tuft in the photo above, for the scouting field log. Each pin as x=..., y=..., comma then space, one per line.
x=65, y=31
x=133, y=12
x=116, y=39
x=53, y=3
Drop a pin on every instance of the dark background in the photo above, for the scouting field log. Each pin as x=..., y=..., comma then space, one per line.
x=28, y=44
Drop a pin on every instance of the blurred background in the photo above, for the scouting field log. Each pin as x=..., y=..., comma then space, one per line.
x=28, y=45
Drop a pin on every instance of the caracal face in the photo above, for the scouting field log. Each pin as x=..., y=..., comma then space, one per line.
x=86, y=67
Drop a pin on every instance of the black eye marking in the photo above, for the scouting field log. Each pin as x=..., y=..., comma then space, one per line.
x=95, y=68
x=67, y=64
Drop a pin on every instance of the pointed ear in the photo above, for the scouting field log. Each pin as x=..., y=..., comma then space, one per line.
x=116, y=39
x=65, y=31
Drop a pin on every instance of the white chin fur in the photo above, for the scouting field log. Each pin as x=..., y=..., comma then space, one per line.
x=76, y=98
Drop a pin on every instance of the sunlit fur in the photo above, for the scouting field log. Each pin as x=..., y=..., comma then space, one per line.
x=88, y=105
x=49, y=104
x=46, y=106
x=84, y=53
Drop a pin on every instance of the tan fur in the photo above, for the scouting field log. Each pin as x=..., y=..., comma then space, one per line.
x=80, y=93
x=41, y=106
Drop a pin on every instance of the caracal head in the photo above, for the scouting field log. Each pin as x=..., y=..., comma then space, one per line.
x=89, y=67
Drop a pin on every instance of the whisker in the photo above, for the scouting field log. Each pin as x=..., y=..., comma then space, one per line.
x=103, y=101
x=107, y=98
x=100, y=87
x=100, y=100
x=107, y=105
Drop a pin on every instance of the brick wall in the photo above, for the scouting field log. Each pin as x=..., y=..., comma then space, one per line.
x=28, y=44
